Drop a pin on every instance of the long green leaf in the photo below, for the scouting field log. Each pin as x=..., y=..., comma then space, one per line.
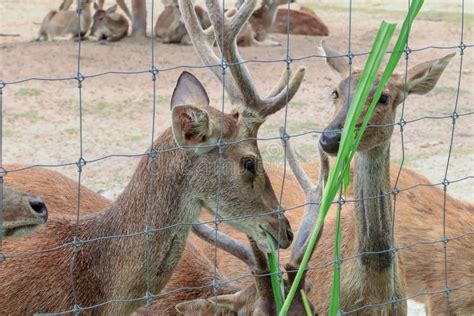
x=277, y=284
x=305, y=300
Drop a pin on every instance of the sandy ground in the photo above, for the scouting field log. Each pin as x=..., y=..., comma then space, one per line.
x=41, y=122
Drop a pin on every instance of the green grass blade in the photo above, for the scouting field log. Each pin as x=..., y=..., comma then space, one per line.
x=277, y=284
x=335, y=294
x=305, y=300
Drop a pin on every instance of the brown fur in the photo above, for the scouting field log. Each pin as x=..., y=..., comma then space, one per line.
x=303, y=22
x=418, y=217
x=116, y=268
x=169, y=27
x=109, y=25
x=22, y=213
x=64, y=23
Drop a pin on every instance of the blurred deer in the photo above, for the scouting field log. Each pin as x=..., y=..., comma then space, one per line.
x=180, y=179
x=303, y=22
x=108, y=24
x=23, y=213
x=66, y=4
x=64, y=23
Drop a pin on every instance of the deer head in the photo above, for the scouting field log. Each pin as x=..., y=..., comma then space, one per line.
x=420, y=80
x=257, y=299
x=240, y=87
x=22, y=213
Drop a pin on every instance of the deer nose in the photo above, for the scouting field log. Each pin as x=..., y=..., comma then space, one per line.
x=329, y=141
x=39, y=208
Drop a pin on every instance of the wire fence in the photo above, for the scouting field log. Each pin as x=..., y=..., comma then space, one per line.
x=154, y=71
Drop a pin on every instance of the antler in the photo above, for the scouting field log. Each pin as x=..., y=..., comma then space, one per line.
x=253, y=257
x=312, y=202
x=240, y=86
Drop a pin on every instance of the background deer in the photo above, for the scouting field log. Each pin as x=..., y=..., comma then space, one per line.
x=23, y=213
x=303, y=22
x=66, y=4
x=178, y=182
x=108, y=24
x=64, y=23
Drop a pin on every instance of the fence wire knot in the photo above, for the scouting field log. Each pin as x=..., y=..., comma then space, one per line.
x=402, y=124
x=80, y=78
x=462, y=47
x=341, y=201
x=77, y=309
x=395, y=191
x=445, y=184
x=407, y=51
x=454, y=116
x=2, y=84
x=76, y=242
x=148, y=298
x=81, y=163
x=154, y=72
x=285, y=137
x=3, y=172
x=350, y=57
x=288, y=61
x=2, y=257
x=222, y=145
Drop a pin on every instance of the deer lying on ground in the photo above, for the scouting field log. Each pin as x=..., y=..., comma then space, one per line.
x=66, y=4
x=167, y=188
x=23, y=213
x=303, y=22
x=64, y=23
x=108, y=24
x=169, y=27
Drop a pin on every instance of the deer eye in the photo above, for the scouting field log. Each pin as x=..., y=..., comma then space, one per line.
x=384, y=99
x=249, y=164
x=335, y=94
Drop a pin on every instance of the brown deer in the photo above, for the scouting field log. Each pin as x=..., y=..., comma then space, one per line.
x=169, y=27
x=257, y=298
x=303, y=22
x=23, y=213
x=66, y=4
x=108, y=24
x=168, y=188
x=64, y=23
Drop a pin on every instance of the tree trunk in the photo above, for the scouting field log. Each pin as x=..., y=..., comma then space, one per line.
x=138, y=18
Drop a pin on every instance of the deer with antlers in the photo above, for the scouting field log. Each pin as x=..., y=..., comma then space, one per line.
x=180, y=178
x=23, y=213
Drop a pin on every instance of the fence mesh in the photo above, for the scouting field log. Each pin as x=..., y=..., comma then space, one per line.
x=154, y=72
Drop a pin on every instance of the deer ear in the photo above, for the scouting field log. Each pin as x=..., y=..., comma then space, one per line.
x=423, y=77
x=339, y=64
x=192, y=127
x=189, y=91
x=112, y=9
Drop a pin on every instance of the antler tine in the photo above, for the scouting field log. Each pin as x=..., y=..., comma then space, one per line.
x=226, y=243
x=312, y=200
x=295, y=166
x=203, y=42
x=226, y=31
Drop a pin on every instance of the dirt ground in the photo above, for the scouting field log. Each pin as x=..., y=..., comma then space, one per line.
x=41, y=118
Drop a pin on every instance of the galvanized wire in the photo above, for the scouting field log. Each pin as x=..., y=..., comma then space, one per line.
x=222, y=144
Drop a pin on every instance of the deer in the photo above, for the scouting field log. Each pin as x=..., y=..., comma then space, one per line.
x=108, y=24
x=303, y=22
x=178, y=176
x=169, y=27
x=23, y=213
x=66, y=4
x=64, y=23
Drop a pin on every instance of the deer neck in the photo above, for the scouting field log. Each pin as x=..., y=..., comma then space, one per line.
x=158, y=196
x=373, y=207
